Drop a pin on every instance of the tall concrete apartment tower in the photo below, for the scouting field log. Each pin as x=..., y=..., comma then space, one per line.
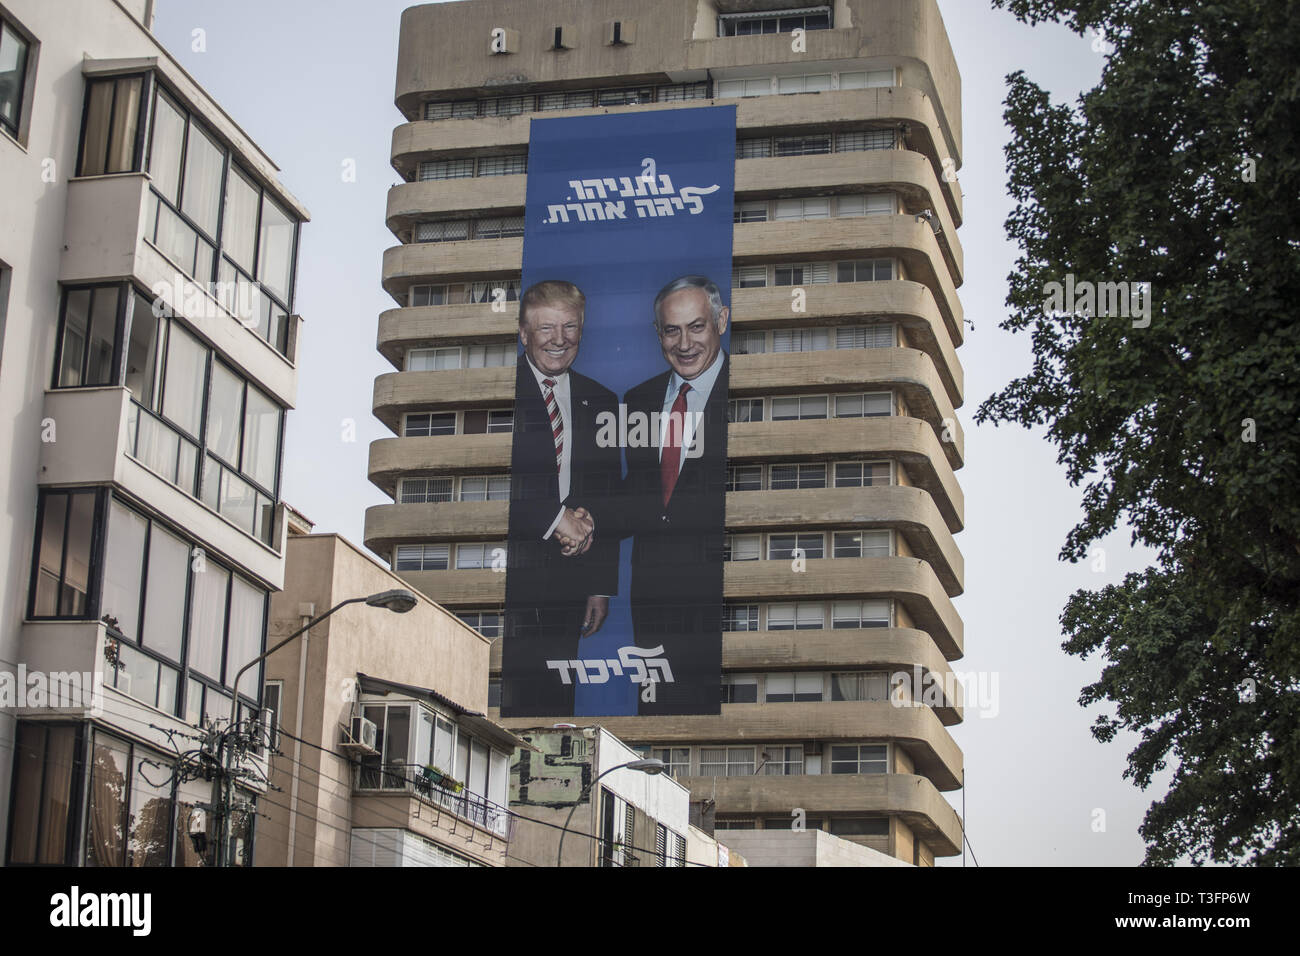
x=147, y=259
x=843, y=439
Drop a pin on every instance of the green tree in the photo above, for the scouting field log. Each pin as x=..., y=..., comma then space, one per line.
x=1181, y=169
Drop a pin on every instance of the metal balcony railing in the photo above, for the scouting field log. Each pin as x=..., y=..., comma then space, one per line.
x=404, y=777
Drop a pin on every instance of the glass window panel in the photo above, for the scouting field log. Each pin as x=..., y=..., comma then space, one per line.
x=76, y=328
x=164, y=608
x=50, y=564
x=13, y=74
x=225, y=411
x=261, y=439
x=810, y=617
x=76, y=567
x=110, y=770
x=99, y=113
x=30, y=763
x=275, y=253
x=151, y=817
x=124, y=570
x=165, y=149
x=184, y=379
x=781, y=617
x=126, y=123
x=208, y=619
x=103, y=333
x=142, y=352
x=201, y=195
x=239, y=225
x=247, y=604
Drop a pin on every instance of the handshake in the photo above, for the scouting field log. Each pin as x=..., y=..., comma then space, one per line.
x=575, y=531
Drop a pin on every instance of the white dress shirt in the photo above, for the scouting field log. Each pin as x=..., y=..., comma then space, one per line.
x=696, y=399
x=562, y=401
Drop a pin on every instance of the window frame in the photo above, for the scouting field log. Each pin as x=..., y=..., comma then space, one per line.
x=143, y=127
x=26, y=80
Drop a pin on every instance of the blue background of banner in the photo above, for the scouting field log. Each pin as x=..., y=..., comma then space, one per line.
x=620, y=265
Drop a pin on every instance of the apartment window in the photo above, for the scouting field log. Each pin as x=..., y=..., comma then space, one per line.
x=865, y=337
x=421, y=557
x=66, y=544
x=572, y=100
x=790, y=477
x=494, y=422
x=428, y=360
x=487, y=623
x=429, y=423
x=740, y=617
x=804, y=616
x=782, y=547
x=750, y=86
x=111, y=139
x=859, y=826
x=477, y=556
x=499, y=227
x=748, y=343
x=868, y=79
x=866, y=139
x=505, y=106
x=676, y=760
x=446, y=169
x=791, y=688
x=865, y=270
x=676, y=92
x=743, y=547
x=464, y=293
x=750, y=212
x=128, y=816
x=733, y=823
x=862, y=544
x=759, y=147
x=802, y=274
x=458, y=109
x=745, y=410
x=774, y=21
x=855, y=614
x=783, y=761
x=272, y=709
x=812, y=145
x=814, y=83
x=240, y=470
x=47, y=774
x=739, y=688
x=625, y=97
x=14, y=52
x=494, y=692
x=859, y=758
x=516, y=165
x=749, y=277
x=726, y=761
x=795, y=210
x=424, y=490
x=501, y=355
x=226, y=626
x=870, y=405
x=493, y=488
x=872, y=204
x=745, y=478
x=861, y=474
x=799, y=407
x=801, y=340
x=91, y=328
x=871, y=685
x=448, y=230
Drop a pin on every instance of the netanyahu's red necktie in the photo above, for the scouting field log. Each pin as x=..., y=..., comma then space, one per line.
x=670, y=463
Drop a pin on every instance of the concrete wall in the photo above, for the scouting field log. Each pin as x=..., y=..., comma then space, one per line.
x=807, y=848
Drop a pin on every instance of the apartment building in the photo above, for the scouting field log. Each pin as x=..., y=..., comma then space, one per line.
x=383, y=753
x=843, y=442
x=147, y=267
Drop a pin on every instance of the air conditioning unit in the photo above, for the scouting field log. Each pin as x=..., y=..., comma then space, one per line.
x=362, y=737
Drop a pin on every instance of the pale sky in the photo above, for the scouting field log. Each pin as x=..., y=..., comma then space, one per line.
x=313, y=85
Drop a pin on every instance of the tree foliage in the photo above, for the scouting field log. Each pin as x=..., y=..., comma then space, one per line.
x=1180, y=169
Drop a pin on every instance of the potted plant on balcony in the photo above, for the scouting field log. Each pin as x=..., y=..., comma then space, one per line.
x=440, y=778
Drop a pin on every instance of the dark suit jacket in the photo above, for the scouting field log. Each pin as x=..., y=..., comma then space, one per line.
x=677, y=550
x=538, y=574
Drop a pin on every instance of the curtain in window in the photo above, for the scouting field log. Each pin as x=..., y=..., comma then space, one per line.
x=204, y=164
x=207, y=619
x=183, y=388
x=239, y=227
x=106, y=817
x=275, y=254
x=123, y=570
x=165, y=149
x=247, y=604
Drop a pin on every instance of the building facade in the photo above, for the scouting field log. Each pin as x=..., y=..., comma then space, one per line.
x=147, y=266
x=843, y=440
x=424, y=780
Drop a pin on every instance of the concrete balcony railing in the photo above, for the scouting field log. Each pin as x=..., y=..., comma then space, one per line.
x=470, y=259
x=92, y=448
x=910, y=304
x=910, y=511
x=910, y=581
x=908, y=371
x=902, y=171
x=104, y=242
x=805, y=112
x=912, y=798
x=908, y=440
x=918, y=729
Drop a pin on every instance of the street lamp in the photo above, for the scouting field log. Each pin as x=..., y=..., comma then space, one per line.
x=647, y=765
x=397, y=600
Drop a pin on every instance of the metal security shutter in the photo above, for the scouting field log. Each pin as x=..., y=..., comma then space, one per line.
x=661, y=845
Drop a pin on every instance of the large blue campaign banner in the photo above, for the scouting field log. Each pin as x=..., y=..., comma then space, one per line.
x=618, y=465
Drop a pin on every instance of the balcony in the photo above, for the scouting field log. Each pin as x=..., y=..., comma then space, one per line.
x=914, y=799
x=396, y=392
x=405, y=778
x=99, y=433
x=469, y=259
x=104, y=226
